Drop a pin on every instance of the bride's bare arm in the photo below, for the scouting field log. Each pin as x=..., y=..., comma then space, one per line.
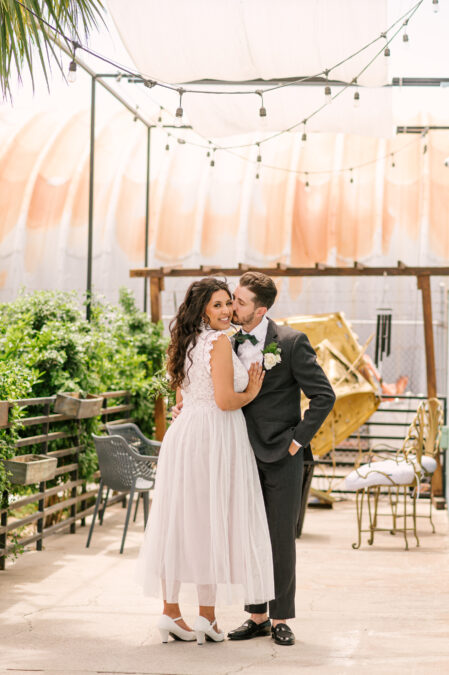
x=222, y=371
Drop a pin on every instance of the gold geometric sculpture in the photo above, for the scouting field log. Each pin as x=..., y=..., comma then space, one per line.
x=341, y=358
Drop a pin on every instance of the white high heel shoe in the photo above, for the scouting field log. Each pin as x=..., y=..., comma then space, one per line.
x=203, y=628
x=168, y=626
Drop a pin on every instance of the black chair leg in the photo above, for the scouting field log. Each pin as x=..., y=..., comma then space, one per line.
x=146, y=507
x=128, y=514
x=97, y=504
x=137, y=506
x=105, y=503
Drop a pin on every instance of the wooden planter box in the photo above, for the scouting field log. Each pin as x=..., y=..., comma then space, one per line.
x=4, y=409
x=78, y=408
x=29, y=469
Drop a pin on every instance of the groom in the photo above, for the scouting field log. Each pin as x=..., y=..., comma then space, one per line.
x=280, y=437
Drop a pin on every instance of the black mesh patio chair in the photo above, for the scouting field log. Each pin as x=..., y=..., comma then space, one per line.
x=137, y=440
x=125, y=470
x=134, y=437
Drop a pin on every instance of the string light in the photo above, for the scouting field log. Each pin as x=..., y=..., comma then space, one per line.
x=327, y=89
x=179, y=111
x=304, y=135
x=258, y=160
x=212, y=161
x=356, y=99
x=71, y=77
x=262, y=109
x=387, y=48
x=393, y=164
x=262, y=112
x=435, y=5
x=307, y=185
x=405, y=37
x=167, y=146
x=351, y=179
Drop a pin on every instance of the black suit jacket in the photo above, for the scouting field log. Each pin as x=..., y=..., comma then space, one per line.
x=274, y=417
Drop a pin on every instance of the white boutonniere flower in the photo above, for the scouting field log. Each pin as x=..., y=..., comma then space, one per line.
x=271, y=355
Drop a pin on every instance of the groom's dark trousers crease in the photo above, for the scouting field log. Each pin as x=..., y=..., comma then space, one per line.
x=281, y=486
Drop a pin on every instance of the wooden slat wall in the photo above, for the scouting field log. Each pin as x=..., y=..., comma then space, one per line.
x=72, y=493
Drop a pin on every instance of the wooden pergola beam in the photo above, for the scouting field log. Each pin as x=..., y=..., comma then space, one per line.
x=282, y=270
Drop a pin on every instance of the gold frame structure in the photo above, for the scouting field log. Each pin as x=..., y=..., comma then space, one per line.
x=423, y=438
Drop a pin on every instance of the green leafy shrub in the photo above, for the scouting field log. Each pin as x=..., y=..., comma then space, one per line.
x=47, y=346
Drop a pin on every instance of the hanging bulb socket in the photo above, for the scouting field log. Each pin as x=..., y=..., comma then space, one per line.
x=179, y=110
x=435, y=5
x=307, y=184
x=351, y=179
x=328, y=93
x=304, y=135
x=262, y=109
x=387, y=51
x=167, y=147
x=71, y=77
x=405, y=39
x=356, y=99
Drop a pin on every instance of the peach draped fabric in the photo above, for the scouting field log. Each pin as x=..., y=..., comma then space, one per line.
x=389, y=209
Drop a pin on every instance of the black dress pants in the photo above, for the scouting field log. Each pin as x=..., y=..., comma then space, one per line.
x=281, y=486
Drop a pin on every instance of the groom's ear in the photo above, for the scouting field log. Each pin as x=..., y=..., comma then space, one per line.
x=261, y=311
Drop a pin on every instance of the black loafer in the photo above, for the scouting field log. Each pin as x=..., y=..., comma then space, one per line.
x=250, y=629
x=283, y=634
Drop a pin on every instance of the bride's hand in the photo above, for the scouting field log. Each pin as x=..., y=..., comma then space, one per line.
x=256, y=375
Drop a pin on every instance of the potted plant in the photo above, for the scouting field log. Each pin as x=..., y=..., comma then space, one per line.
x=29, y=469
x=73, y=405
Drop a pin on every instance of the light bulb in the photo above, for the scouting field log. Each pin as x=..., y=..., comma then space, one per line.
x=356, y=99
x=387, y=51
x=71, y=77
x=262, y=109
x=435, y=5
x=328, y=94
x=405, y=40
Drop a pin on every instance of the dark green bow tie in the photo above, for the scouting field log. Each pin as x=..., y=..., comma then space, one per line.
x=241, y=337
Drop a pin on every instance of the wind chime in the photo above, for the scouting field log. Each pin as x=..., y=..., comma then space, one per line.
x=383, y=335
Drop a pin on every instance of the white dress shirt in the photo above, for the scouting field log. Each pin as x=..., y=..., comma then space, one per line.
x=249, y=353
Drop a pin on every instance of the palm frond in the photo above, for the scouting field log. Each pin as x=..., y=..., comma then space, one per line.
x=24, y=34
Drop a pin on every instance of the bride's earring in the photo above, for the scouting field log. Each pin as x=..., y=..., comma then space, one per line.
x=204, y=323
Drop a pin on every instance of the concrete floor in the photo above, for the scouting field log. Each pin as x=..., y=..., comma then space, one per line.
x=381, y=609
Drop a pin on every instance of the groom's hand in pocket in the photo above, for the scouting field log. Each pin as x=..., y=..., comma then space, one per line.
x=294, y=447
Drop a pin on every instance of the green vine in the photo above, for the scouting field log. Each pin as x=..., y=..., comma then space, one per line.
x=47, y=346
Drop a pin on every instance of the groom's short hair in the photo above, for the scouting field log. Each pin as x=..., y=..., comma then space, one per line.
x=262, y=286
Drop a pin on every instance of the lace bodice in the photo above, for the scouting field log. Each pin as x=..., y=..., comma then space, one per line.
x=197, y=388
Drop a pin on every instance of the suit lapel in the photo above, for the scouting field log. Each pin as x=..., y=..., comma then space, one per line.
x=272, y=334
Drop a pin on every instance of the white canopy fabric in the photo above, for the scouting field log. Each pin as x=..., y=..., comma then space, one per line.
x=180, y=41
x=176, y=41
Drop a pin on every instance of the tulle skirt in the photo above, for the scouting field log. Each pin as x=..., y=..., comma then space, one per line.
x=207, y=531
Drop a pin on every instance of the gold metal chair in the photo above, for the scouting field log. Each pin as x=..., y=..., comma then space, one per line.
x=401, y=476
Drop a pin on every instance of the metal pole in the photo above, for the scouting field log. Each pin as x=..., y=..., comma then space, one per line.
x=147, y=221
x=91, y=202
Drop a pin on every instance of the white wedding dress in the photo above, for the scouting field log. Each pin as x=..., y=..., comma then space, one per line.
x=207, y=524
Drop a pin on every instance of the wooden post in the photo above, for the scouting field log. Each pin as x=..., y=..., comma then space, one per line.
x=424, y=287
x=156, y=286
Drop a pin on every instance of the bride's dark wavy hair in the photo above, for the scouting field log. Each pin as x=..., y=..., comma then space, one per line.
x=186, y=326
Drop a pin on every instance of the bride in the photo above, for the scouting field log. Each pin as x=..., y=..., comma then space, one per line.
x=207, y=524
